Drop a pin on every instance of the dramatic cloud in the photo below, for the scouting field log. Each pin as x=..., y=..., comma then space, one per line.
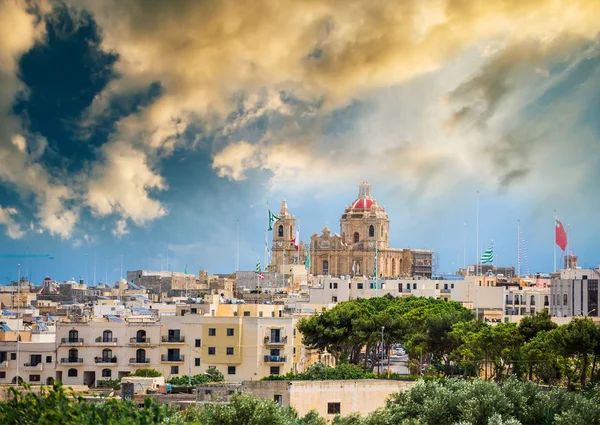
x=13, y=230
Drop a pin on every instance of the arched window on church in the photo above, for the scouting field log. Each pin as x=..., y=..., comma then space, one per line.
x=325, y=267
x=356, y=237
x=381, y=231
x=394, y=274
x=291, y=232
x=371, y=231
x=280, y=231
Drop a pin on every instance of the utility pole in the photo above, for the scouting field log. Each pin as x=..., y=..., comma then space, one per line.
x=190, y=364
x=18, y=315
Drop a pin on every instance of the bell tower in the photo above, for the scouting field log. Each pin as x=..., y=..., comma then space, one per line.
x=284, y=229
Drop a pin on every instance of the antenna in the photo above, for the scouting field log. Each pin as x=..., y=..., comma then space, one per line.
x=522, y=249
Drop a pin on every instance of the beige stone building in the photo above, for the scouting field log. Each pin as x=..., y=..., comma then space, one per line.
x=364, y=227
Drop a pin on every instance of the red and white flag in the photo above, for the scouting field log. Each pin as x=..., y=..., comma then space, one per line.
x=297, y=239
x=261, y=276
x=560, y=234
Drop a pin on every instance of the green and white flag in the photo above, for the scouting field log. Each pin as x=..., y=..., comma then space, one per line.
x=488, y=255
x=258, y=267
x=272, y=219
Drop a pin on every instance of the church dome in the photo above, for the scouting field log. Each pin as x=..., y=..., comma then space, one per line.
x=364, y=200
x=361, y=204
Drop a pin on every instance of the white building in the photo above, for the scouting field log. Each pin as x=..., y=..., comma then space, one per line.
x=575, y=293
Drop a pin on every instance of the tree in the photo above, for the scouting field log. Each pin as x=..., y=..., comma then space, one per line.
x=214, y=374
x=530, y=326
x=147, y=373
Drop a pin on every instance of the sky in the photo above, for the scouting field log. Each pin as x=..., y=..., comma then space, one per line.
x=136, y=130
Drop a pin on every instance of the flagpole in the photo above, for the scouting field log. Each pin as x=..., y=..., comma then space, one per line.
x=478, y=260
x=518, y=247
x=237, y=248
x=554, y=244
x=464, y=246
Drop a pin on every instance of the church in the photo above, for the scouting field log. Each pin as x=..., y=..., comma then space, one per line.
x=364, y=226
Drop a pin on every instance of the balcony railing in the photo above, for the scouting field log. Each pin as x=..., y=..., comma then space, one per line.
x=174, y=339
x=176, y=359
x=105, y=359
x=276, y=341
x=4, y=364
x=71, y=360
x=102, y=340
x=68, y=341
x=34, y=366
x=135, y=340
x=135, y=360
x=274, y=359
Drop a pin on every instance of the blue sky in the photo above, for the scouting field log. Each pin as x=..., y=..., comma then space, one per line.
x=129, y=129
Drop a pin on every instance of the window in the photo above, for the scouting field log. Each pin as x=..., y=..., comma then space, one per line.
x=414, y=286
x=197, y=343
x=106, y=354
x=230, y=331
x=73, y=335
x=197, y=361
x=356, y=237
x=294, y=351
x=371, y=231
x=333, y=408
x=294, y=333
x=174, y=370
x=532, y=300
x=334, y=285
x=194, y=310
x=212, y=332
x=231, y=370
x=452, y=286
x=280, y=231
x=230, y=351
x=107, y=336
x=73, y=355
x=445, y=286
x=325, y=267
x=278, y=398
x=246, y=313
x=274, y=370
x=48, y=359
x=359, y=285
x=34, y=378
x=106, y=373
x=334, y=299
x=565, y=299
x=212, y=351
x=2, y=375
x=437, y=286
x=260, y=314
x=72, y=373
x=13, y=356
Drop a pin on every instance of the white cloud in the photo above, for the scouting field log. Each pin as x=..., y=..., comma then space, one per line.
x=13, y=229
x=120, y=228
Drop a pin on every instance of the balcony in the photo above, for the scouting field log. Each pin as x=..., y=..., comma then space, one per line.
x=34, y=366
x=274, y=359
x=139, y=341
x=137, y=361
x=173, y=339
x=276, y=341
x=172, y=359
x=4, y=364
x=71, y=360
x=71, y=341
x=105, y=341
x=105, y=359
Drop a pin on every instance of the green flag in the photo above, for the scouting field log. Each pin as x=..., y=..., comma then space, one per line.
x=488, y=255
x=272, y=219
x=258, y=267
x=307, y=258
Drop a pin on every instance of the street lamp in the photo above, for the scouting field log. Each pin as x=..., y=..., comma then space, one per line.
x=381, y=356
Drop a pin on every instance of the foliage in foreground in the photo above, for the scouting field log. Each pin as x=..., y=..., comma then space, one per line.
x=320, y=371
x=435, y=402
x=57, y=406
x=212, y=374
x=479, y=402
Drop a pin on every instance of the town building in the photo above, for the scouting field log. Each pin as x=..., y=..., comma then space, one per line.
x=574, y=292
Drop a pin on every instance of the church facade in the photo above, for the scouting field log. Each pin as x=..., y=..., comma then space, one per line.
x=364, y=227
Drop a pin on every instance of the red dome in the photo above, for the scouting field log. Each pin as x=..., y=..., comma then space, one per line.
x=361, y=204
x=47, y=279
